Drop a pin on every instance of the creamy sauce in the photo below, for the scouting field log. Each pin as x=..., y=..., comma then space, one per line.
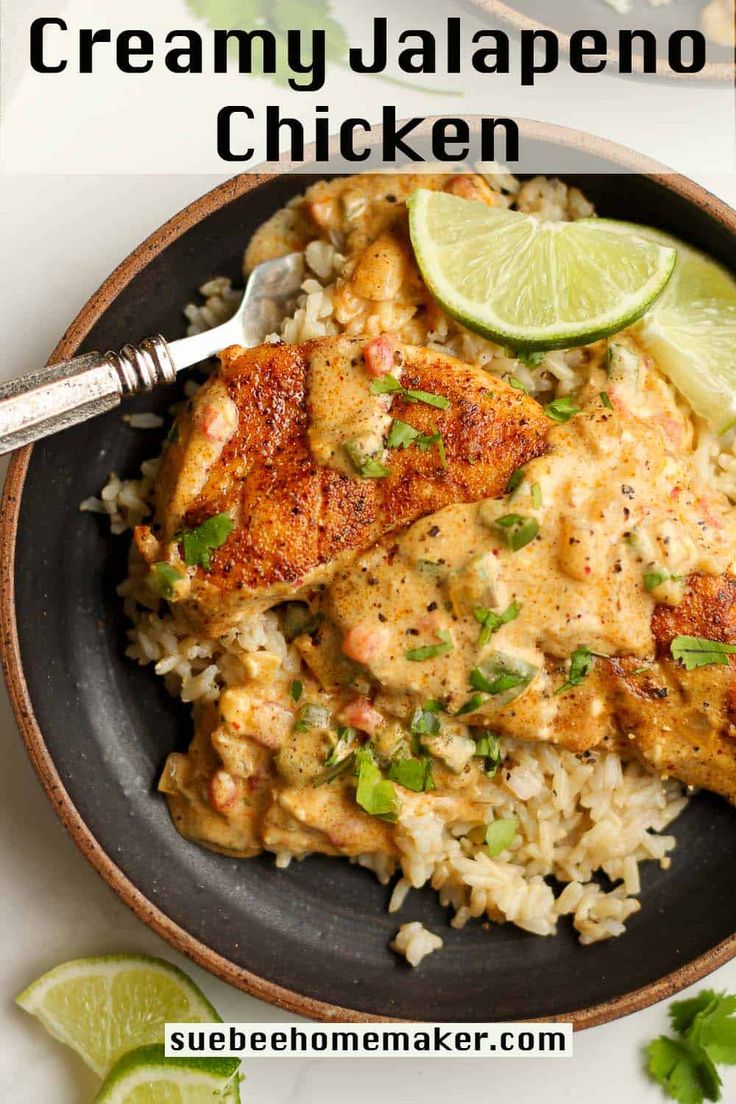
x=614, y=510
x=342, y=410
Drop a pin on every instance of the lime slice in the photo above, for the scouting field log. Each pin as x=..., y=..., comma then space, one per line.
x=145, y=1076
x=532, y=284
x=691, y=333
x=104, y=1007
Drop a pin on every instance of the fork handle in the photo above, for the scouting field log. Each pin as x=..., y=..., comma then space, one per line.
x=72, y=391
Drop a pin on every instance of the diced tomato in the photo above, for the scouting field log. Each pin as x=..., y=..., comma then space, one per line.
x=359, y=713
x=380, y=355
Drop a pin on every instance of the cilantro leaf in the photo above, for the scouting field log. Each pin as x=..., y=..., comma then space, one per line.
x=695, y=651
x=582, y=661
x=500, y=835
x=401, y=435
x=561, y=410
x=385, y=385
x=430, y=651
x=500, y=674
x=491, y=622
x=375, y=794
x=440, y=402
x=296, y=690
x=517, y=385
x=683, y=1012
x=199, y=543
x=605, y=399
x=389, y=385
x=685, y=1075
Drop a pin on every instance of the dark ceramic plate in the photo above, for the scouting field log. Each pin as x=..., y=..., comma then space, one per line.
x=313, y=938
x=566, y=16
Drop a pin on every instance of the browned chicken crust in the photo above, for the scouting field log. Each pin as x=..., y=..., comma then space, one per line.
x=683, y=723
x=294, y=515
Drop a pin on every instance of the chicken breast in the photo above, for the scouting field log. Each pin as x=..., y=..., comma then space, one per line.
x=290, y=443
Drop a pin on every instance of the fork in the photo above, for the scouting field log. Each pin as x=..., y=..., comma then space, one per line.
x=73, y=391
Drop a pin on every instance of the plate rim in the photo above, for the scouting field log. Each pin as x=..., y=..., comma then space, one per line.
x=713, y=72
x=152, y=915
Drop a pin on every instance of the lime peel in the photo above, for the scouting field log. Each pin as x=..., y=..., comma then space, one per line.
x=146, y=1076
x=531, y=284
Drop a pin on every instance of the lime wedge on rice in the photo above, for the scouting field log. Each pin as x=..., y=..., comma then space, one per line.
x=532, y=284
x=145, y=1076
x=104, y=1007
x=691, y=333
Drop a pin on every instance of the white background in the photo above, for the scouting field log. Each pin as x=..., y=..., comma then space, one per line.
x=61, y=237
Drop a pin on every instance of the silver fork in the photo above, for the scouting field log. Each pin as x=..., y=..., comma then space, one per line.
x=65, y=394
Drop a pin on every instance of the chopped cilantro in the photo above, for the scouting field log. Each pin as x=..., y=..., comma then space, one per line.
x=581, y=664
x=374, y=793
x=199, y=543
x=561, y=410
x=430, y=651
x=695, y=651
x=490, y=621
x=163, y=579
x=401, y=435
x=517, y=385
x=389, y=385
x=502, y=674
x=296, y=690
x=605, y=399
x=413, y=774
x=440, y=402
x=518, y=531
x=385, y=385
x=500, y=835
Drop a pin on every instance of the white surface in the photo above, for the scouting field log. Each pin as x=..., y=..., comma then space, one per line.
x=62, y=237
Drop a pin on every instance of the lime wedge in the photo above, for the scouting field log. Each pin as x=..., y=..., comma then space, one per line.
x=104, y=1007
x=691, y=333
x=145, y=1076
x=532, y=284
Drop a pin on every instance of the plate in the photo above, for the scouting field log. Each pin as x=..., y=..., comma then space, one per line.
x=573, y=15
x=313, y=938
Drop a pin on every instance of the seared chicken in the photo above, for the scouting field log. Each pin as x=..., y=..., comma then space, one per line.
x=290, y=442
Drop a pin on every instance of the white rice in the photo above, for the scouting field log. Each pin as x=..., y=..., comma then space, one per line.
x=415, y=942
